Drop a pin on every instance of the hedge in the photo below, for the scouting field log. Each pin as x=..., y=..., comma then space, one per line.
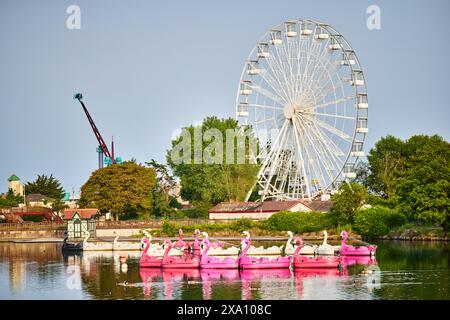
x=377, y=221
x=299, y=222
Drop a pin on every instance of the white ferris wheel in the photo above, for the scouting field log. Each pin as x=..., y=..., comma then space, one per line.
x=303, y=92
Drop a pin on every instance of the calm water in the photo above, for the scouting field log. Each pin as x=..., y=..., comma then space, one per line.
x=402, y=270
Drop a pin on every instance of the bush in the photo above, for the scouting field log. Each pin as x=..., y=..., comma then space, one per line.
x=377, y=221
x=242, y=224
x=299, y=222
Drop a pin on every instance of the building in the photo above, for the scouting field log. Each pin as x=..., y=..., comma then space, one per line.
x=263, y=210
x=80, y=221
x=16, y=185
x=38, y=200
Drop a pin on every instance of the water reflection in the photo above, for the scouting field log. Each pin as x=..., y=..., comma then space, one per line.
x=401, y=271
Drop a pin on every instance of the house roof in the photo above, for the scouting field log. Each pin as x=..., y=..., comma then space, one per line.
x=13, y=178
x=266, y=206
x=320, y=206
x=83, y=213
x=37, y=197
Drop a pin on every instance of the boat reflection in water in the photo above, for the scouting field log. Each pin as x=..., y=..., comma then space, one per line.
x=213, y=276
x=325, y=283
x=266, y=284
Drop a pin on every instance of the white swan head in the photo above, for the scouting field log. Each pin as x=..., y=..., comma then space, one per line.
x=290, y=234
x=246, y=234
x=205, y=235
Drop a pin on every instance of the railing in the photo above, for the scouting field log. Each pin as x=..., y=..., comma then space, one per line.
x=124, y=224
x=32, y=226
x=145, y=224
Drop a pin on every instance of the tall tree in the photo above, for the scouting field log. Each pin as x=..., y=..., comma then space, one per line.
x=208, y=176
x=387, y=162
x=121, y=189
x=165, y=182
x=362, y=173
x=47, y=186
x=424, y=190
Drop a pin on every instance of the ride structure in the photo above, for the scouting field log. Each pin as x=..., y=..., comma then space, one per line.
x=104, y=155
x=303, y=93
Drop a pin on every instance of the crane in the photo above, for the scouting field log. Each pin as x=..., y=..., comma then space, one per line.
x=102, y=148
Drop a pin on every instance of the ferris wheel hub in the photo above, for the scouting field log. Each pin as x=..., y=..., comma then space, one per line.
x=289, y=111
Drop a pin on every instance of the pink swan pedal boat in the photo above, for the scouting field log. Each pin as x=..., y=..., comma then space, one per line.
x=183, y=262
x=348, y=250
x=147, y=261
x=313, y=262
x=246, y=262
x=208, y=262
x=196, y=245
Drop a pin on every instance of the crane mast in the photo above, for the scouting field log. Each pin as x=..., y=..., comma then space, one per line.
x=102, y=148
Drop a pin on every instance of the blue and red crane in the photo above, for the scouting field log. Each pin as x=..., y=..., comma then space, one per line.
x=104, y=155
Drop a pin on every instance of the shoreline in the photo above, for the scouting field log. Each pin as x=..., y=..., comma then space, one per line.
x=131, y=239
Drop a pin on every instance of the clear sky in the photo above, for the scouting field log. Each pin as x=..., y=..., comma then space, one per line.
x=146, y=68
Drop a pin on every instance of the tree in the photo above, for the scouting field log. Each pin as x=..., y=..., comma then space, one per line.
x=205, y=182
x=47, y=186
x=347, y=201
x=165, y=182
x=122, y=189
x=424, y=190
x=362, y=173
x=10, y=200
x=387, y=162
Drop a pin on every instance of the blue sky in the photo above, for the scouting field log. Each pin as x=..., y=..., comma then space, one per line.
x=147, y=68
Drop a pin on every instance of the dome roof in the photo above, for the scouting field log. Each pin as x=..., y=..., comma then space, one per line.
x=13, y=178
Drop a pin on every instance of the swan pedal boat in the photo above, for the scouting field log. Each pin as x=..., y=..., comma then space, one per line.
x=186, y=261
x=208, y=262
x=246, y=262
x=305, y=250
x=313, y=262
x=348, y=250
x=326, y=249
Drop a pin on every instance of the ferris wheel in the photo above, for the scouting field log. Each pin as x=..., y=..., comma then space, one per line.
x=303, y=93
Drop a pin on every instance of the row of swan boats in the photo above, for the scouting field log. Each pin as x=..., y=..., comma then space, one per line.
x=197, y=255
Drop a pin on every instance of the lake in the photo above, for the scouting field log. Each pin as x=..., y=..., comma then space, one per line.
x=402, y=270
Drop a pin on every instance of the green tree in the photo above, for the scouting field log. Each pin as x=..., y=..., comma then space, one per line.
x=362, y=173
x=206, y=182
x=10, y=200
x=347, y=201
x=387, y=163
x=47, y=186
x=122, y=189
x=423, y=191
x=165, y=182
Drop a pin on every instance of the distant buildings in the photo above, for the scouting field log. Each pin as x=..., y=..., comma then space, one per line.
x=263, y=210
